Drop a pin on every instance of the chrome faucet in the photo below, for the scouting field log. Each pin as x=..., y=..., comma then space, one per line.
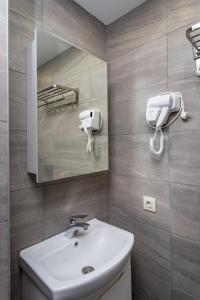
x=75, y=226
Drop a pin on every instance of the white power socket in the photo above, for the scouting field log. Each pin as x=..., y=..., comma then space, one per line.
x=149, y=203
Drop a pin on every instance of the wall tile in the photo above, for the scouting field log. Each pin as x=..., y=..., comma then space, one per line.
x=131, y=156
x=54, y=225
x=140, y=294
x=143, y=66
x=178, y=294
x=127, y=107
x=85, y=196
x=190, y=90
x=185, y=261
x=126, y=199
x=21, y=32
x=26, y=235
x=185, y=157
x=15, y=268
x=185, y=211
x=151, y=248
x=64, y=195
x=182, y=12
x=26, y=229
x=26, y=217
x=19, y=178
x=15, y=290
x=144, y=24
x=69, y=21
x=26, y=206
x=17, y=94
x=3, y=172
x=180, y=56
x=30, y=9
x=153, y=285
x=16, y=276
x=4, y=261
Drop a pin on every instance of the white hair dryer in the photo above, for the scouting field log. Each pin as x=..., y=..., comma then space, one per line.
x=158, y=111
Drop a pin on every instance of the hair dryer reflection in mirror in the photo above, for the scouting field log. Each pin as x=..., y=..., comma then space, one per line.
x=91, y=123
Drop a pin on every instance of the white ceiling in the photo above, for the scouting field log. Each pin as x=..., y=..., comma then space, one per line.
x=48, y=47
x=108, y=11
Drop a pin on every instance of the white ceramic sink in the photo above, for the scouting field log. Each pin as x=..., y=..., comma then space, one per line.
x=55, y=265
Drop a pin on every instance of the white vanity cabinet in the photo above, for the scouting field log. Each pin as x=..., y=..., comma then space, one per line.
x=122, y=289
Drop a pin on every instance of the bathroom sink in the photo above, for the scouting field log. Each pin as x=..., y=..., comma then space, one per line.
x=67, y=268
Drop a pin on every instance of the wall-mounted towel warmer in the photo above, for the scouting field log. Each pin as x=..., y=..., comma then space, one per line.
x=193, y=35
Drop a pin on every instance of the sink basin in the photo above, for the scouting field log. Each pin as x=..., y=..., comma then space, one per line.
x=67, y=268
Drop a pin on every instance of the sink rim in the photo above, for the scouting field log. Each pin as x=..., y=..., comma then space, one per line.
x=54, y=288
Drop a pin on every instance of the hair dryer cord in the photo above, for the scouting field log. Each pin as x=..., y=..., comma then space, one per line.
x=153, y=140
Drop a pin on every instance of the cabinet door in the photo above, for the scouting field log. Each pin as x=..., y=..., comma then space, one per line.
x=122, y=288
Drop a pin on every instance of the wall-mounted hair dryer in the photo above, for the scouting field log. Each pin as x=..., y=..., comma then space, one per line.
x=91, y=122
x=158, y=111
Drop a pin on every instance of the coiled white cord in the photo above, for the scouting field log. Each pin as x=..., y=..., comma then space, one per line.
x=184, y=115
x=153, y=139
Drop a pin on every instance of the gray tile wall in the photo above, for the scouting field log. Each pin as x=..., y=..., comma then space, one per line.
x=148, y=54
x=4, y=154
x=39, y=211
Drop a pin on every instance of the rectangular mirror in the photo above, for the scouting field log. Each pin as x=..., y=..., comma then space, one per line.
x=67, y=110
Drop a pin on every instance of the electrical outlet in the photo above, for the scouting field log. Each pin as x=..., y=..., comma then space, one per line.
x=149, y=203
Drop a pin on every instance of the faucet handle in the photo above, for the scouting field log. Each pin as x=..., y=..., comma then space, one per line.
x=74, y=219
x=78, y=217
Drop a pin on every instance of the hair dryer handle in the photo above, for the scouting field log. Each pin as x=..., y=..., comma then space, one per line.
x=164, y=115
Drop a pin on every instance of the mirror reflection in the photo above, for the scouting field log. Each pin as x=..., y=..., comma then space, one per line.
x=72, y=110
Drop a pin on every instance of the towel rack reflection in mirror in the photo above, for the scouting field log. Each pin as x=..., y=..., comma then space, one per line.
x=56, y=94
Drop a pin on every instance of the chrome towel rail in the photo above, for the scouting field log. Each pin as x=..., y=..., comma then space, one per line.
x=193, y=35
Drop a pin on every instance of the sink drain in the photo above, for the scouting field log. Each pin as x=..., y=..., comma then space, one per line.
x=87, y=269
